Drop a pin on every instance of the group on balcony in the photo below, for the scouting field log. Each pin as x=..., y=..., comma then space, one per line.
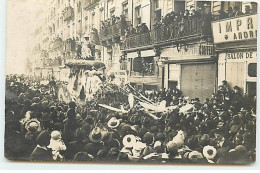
x=140, y=29
x=113, y=26
x=236, y=12
x=172, y=27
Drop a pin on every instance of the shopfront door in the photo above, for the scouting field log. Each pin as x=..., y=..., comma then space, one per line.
x=251, y=90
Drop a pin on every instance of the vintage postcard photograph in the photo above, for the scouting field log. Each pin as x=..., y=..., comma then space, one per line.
x=131, y=81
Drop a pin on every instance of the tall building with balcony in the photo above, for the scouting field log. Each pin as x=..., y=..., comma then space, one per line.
x=60, y=31
x=168, y=47
x=235, y=37
x=152, y=44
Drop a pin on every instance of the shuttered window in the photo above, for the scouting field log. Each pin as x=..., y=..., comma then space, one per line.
x=198, y=80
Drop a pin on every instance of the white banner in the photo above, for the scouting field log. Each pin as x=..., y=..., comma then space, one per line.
x=235, y=29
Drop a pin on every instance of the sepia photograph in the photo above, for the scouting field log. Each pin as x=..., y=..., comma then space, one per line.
x=164, y=82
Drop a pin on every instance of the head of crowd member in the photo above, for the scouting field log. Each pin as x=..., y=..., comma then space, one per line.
x=172, y=149
x=71, y=114
x=43, y=139
x=72, y=105
x=83, y=156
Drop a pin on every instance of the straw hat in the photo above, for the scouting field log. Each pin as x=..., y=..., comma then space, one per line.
x=129, y=141
x=96, y=135
x=113, y=123
x=209, y=152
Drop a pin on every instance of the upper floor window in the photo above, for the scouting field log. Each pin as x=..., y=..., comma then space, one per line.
x=125, y=9
x=137, y=15
x=156, y=4
x=112, y=12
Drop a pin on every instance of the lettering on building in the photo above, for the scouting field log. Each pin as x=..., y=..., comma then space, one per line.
x=236, y=29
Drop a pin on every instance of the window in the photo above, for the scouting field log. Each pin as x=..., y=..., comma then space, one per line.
x=125, y=9
x=201, y=4
x=226, y=5
x=137, y=15
x=252, y=70
x=112, y=12
x=156, y=4
x=93, y=20
x=158, y=14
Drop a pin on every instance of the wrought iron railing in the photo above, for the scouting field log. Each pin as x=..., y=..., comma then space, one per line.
x=174, y=32
x=113, y=31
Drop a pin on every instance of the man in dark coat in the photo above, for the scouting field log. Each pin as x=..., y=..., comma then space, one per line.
x=41, y=152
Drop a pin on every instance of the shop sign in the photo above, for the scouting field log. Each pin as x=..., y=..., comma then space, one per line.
x=241, y=56
x=235, y=29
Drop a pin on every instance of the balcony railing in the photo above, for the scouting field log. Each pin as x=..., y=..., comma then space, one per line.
x=138, y=41
x=87, y=3
x=113, y=31
x=172, y=33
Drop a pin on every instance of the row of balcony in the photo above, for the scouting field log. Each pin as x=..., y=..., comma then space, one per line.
x=173, y=33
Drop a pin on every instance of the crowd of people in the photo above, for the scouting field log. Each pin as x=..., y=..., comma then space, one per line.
x=236, y=12
x=39, y=127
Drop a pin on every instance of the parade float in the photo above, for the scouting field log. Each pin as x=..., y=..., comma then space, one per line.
x=85, y=79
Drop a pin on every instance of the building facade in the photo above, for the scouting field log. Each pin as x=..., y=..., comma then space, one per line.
x=152, y=44
x=236, y=45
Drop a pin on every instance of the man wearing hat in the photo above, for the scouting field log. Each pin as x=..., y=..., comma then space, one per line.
x=230, y=12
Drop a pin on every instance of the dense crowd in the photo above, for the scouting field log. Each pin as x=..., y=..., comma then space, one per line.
x=39, y=127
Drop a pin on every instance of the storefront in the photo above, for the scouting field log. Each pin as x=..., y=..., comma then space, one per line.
x=192, y=70
x=144, y=72
x=236, y=43
x=239, y=68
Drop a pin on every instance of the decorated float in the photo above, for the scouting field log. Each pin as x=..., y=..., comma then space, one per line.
x=85, y=79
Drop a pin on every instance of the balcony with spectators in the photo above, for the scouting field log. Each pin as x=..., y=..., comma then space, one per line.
x=112, y=29
x=174, y=28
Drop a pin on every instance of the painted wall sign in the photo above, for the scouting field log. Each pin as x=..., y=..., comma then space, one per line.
x=235, y=29
x=241, y=56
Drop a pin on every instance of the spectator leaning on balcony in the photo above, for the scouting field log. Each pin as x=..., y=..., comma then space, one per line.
x=247, y=10
x=254, y=8
x=222, y=14
x=207, y=18
x=230, y=12
x=237, y=12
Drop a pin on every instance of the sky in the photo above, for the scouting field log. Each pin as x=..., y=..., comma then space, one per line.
x=19, y=27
